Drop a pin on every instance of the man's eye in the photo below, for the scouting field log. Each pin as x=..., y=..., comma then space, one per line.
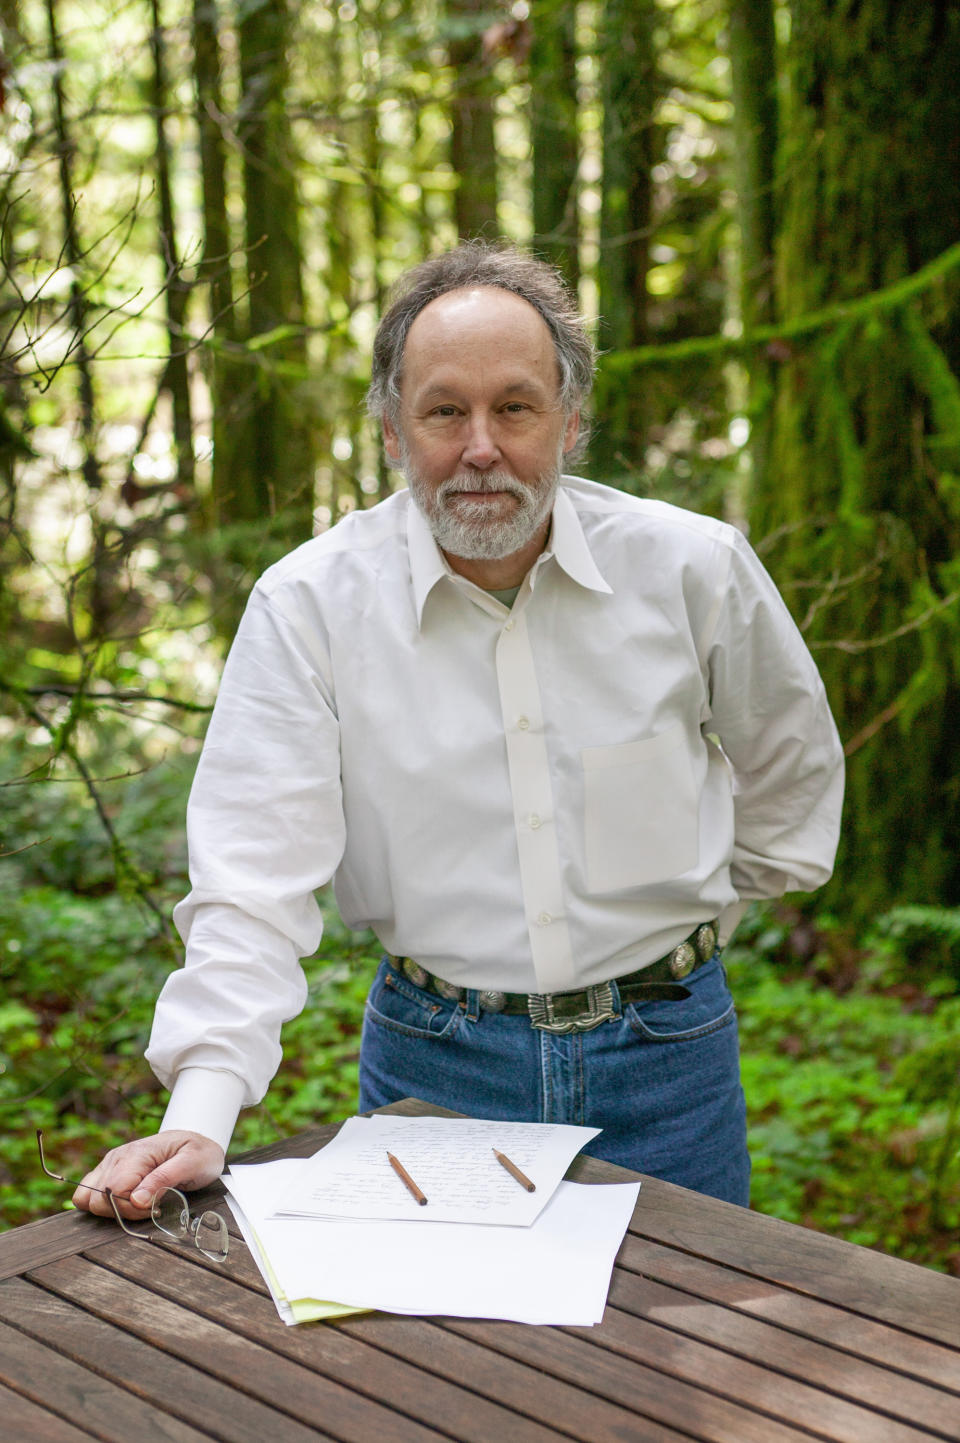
x=444, y=411
x=516, y=408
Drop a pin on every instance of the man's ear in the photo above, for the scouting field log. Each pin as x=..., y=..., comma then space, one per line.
x=571, y=431
x=391, y=439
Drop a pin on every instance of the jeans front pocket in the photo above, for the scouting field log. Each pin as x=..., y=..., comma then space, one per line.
x=394, y=1002
x=709, y=1008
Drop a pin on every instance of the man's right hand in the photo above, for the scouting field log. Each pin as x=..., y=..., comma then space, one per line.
x=138, y=1170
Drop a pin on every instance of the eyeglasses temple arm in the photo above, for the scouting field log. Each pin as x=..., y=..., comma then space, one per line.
x=71, y=1182
x=112, y=1198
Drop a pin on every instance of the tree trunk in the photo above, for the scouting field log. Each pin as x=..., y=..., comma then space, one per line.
x=629, y=90
x=217, y=248
x=97, y=589
x=280, y=481
x=860, y=481
x=756, y=126
x=340, y=281
x=554, y=138
x=73, y=254
x=177, y=375
x=472, y=140
x=378, y=227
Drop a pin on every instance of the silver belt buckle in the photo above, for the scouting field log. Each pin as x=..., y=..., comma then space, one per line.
x=542, y=1010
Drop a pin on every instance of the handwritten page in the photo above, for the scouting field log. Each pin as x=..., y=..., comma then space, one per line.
x=557, y=1270
x=452, y=1161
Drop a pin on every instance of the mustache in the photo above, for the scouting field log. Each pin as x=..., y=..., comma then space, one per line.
x=484, y=484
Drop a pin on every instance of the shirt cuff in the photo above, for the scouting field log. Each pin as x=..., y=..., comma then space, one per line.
x=207, y=1101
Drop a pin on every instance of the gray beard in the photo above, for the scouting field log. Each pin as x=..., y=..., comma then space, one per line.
x=466, y=528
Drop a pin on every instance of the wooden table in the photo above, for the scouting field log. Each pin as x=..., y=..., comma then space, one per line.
x=721, y=1325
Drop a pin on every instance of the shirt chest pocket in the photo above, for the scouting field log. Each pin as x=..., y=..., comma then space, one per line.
x=640, y=811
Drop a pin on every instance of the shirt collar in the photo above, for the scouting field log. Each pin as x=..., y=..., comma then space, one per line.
x=568, y=546
x=427, y=565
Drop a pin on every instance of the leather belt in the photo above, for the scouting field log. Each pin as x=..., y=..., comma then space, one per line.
x=586, y=1007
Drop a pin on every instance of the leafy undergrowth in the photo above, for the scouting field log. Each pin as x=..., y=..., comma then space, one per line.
x=851, y=1058
x=72, y=1038
x=851, y=1068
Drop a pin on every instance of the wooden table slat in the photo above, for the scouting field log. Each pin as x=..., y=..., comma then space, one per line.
x=45, y=1241
x=772, y=1399
x=573, y=1404
x=775, y=1341
x=23, y=1419
x=887, y=1289
x=181, y=1398
x=795, y=1358
x=467, y=1416
x=83, y=1394
x=261, y=1374
x=847, y=1333
x=572, y=1411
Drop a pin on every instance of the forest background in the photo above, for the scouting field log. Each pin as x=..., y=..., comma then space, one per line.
x=201, y=209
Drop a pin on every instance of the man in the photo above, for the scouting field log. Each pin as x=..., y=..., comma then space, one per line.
x=547, y=739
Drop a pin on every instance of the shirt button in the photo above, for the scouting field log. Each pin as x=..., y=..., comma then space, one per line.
x=534, y=820
x=544, y=919
x=508, y=626
x=524, y=723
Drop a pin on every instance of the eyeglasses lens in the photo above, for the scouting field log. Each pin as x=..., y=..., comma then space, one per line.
x=170, y=1213
x=211, y=1236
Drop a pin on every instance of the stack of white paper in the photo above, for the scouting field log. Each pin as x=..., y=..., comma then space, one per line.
x=341, y=1225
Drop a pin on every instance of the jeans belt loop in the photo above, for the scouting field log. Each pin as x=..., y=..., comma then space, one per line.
x=471, y=1004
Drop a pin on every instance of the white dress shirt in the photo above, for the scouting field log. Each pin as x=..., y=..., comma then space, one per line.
x=531, y=799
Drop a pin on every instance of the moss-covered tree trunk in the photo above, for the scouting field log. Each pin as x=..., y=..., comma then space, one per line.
x=756, y=126
x=215, y=269
x=553, y=135
x=177, y=290
x=274, y=417
x=867, y=425
x=472, y=142
x=629, y=88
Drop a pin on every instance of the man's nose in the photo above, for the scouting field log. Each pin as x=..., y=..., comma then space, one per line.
x=480, y=448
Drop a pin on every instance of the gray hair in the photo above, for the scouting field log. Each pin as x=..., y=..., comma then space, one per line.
x=480, y=263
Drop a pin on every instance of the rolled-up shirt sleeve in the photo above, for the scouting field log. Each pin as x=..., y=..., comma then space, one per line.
x=769, y=710
x=265, y=828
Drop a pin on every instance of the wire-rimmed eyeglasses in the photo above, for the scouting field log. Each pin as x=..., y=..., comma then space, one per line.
x=169, y=1213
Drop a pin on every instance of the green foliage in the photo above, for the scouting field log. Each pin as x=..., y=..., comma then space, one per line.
x=80, y=976
x=851, y=1067
x=924, y=939
x=867, y=423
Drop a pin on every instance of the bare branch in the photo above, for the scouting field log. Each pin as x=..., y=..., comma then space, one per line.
x=65, y=746
x=853, y=648
x=40, y=841
x=96, y=697
x=879, y=722
x=835, y=588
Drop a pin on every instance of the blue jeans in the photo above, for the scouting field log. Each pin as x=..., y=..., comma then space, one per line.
x=662, y=1079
